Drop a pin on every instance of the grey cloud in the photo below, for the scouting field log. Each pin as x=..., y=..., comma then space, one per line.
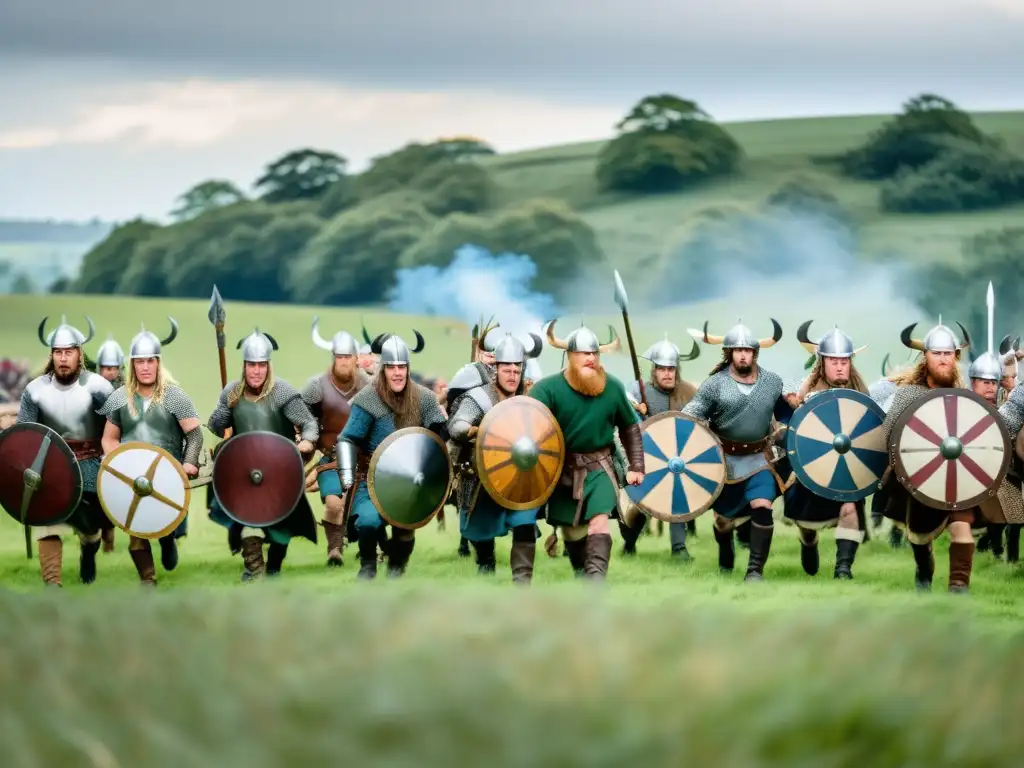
x=535, y=45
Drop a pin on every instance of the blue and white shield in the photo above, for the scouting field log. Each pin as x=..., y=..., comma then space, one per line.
x=836, y=445
x=684, y=468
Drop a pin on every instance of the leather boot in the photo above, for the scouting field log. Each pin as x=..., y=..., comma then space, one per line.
x=142, y=556
x=760, y=546
x=169, y=553
x=631, y=534
x=598, y=553
x=985, y=540
x=995, y=534
x=846, y=551
x=276, y=553
x=961, y=558
x=108, y=540
x=252, y=557
x=335, y=544
x=463, y=547
x=895, y=537
x=485, y=558
x=691, y=528
x=521, y=560
x=398, y=557
x=367, y=556
x=50, y=550
x=726, y=550
x=1013, y=543
x=925, y=566
x=577, y=553
x=809, y=552
x=87, y=562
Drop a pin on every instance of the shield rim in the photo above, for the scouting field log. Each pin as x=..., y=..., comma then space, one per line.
x=798, y=417
x=34, y=426
x=140, y=445
x=899, y=469
x=485, y=479
x=302, y=484
x=394, y=437
x=693, y=515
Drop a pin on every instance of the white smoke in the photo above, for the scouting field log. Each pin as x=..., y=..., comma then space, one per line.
x=476, y=284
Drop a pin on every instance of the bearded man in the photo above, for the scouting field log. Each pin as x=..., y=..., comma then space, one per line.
x=261, y=402
x=590, y=405
x=65, y=398
x=392, y=402
x=329, y=398
x=938, y=369
x=666, y=391
x=833, y=369
x=481, y=518
x=739, y=402
x=151, y=408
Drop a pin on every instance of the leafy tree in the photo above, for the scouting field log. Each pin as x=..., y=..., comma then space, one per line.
x=300, y=175
x=666, y=143
x=274, y=250
x=206, y=196
x=454, y=187
x=465, y=147
x=23, y=284
x=104, y=266
x=62, y=284
x=396, y=170
x=340, y=196
x=808, y=196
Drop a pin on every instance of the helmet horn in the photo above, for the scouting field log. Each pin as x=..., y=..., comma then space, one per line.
x=317, y=338
x=776, y=335
x=910, y=341
x=553, y=340
x=538, y=346
x=693, y=354
x=420, y=343
x=709, y=339
x=802, y=337
x=174, y=332
x=613, y=345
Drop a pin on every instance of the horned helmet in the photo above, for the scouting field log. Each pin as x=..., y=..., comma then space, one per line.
x=939, y=339
x=739, y=337
x=110, y=354
x=665, y=354
x=257, y=347
x=583, y=339
x=148, y=344
x=393, y=350
x=342, y=343
x=65, y=336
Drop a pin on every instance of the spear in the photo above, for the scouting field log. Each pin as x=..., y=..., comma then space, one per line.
x=623, y=301
x=217, y=316
x=990, y=300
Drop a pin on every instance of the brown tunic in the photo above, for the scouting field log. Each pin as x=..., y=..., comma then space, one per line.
x=334, y=408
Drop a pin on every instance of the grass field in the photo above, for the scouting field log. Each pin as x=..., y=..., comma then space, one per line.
x=632, y=228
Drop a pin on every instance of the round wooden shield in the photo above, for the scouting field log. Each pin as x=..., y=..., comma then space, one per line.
x=519, y=453
x=258, y=478
x=950, y=449
x=143, y=489
x=684, y=468
x=836, y=445
x=409, y=477
x=40, y=480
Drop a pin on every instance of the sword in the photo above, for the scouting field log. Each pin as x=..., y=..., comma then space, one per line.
x=623, y=301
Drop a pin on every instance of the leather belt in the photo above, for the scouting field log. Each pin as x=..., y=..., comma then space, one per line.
x=745, y=449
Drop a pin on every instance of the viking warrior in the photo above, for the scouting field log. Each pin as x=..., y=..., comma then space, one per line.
x=367, y=361
x=110, y=362
x=481, y=518
x=66, y=398
x=833, y=369
x=739, y=402
x=151, y=408
x=666, y=391
x=392, y=402
x=590, y=405
x=261, y=402
x=329, y=398
x=938, y=369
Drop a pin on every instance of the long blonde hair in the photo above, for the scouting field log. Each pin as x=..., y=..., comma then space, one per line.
x=131, y=385
x=919, y=375
x=817, y=376
x=268, y=386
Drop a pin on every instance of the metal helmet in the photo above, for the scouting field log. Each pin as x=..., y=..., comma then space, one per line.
x=512, y=350
x=146, y=344
x=987, y=367
x=739, y=337
x=939, y=339
x=364, y=349
x=583, y=339
x=394, y=351
x=65, y=336
x=343, y=342
x=533, y=371
x=257, y=346
x=834, y=343
x=665, y=354
x=110, y=354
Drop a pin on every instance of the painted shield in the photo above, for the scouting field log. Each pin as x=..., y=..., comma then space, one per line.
x=40, y=480
x=409, y=477
x=950, y=449
x=684, y=468
x=143, y=489
x=258, y=478
x=519, y=453
x=836, y=445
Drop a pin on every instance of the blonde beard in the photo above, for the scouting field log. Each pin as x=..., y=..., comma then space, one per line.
x=587, y=381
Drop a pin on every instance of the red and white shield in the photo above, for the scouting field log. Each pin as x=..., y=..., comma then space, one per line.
x=950, y=449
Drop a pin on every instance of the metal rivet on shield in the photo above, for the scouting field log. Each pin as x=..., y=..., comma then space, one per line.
x=256, y=476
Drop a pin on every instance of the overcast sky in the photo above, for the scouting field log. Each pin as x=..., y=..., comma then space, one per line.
x=112, y=108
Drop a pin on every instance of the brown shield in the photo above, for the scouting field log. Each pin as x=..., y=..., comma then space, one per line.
x=520, y=451
x=258, y=478
x=40, y=480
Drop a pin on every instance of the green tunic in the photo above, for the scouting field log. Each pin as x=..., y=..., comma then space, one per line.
x=588, y=425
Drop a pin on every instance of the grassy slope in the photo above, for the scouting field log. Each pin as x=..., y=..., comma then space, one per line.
x=634, y=228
